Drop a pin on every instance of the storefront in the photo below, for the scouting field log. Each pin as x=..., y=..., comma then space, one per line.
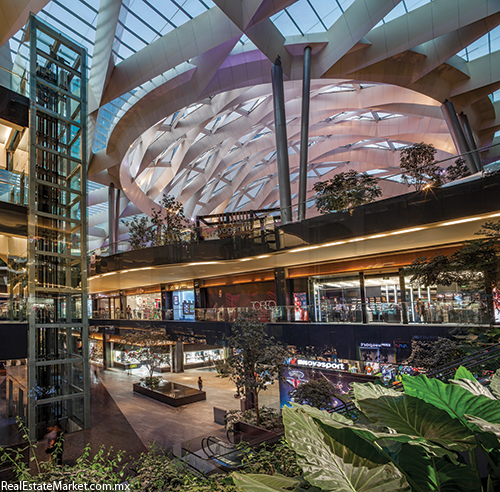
x=144, y=306
x=343, y=298
x=96, y=346
x=183, y=305
x=200, y=355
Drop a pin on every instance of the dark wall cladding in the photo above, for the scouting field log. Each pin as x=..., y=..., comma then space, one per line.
x=13, y=341
x=344, y=338
x=413, y=209
x=473, y=197
x=13, y=219
x=220, y=249
x=14, y=108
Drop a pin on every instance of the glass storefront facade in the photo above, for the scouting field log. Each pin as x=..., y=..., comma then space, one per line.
x=183, y=305
x=340, y=299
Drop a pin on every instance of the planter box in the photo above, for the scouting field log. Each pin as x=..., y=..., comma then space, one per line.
x=173, y=394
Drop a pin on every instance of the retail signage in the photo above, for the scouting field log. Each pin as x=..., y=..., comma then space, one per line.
x=375, y=345
x=318, y=364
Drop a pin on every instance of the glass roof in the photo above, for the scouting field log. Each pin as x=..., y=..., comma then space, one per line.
x=483, y=46
x=309, y=16
x=142, y=22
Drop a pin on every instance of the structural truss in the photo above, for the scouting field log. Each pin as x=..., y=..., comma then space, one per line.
x=180, y=97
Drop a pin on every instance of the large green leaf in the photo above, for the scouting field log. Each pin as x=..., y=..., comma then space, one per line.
x=431, y=473
x=454, y=399
x=463, y=373
x=475, y=387
x=362, y=391
x=414, y=417
x=483, y=425
x=322, y=414
x=264, y=483
x=495, y=384
x=338, y=466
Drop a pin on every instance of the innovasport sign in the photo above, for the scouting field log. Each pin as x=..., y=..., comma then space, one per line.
x=318, y=364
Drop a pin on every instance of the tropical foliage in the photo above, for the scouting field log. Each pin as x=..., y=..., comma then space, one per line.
x=256, y=360
x=414, y=440
x=346, y=191
x=318, y=394
x=270, y=418
x=430, y=354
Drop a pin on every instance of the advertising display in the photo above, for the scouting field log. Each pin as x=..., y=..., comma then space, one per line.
x=379, y=353
x=299, y=371
x=300, y=306
x=253, y=295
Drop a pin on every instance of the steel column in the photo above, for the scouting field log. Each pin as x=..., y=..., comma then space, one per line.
x=281, y=143
x=457, y=134
x=111, y=218
x=469, y=136
x=304, y=132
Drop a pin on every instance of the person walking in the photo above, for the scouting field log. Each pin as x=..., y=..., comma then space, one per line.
x=200, y=384
x=55, y=442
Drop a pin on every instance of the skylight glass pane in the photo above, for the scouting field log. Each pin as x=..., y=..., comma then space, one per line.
x=328, y=11
x=415, y=4
x=396, y=12
x=305, y=17
x=478, y=49
x=345, y=4
x=285, y=24
x=193, y=7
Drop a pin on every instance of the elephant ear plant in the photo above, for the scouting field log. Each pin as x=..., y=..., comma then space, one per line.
x=430, y=437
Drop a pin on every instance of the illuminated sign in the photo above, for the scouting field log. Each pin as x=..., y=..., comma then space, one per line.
x=319, y=364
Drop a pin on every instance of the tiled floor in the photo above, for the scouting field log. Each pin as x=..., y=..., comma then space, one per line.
x=131, y=422
x=169, y=426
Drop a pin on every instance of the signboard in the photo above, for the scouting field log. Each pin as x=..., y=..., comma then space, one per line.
x=319, y=364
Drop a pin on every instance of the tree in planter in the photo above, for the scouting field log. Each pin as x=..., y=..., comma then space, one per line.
x=456, y=171
x=256, y=360
x=346, y=191
x=430, y=354
x=316, y=393
x=150, y=348
x=140, y=233
x=169, y=221
x=420, y=167
x=402, y=442
x=474, y=266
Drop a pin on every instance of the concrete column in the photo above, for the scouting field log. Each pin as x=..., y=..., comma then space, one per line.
x=469, y=136
x=178, y=358
x=304, y=132
x=457, y=134
x=281, y=143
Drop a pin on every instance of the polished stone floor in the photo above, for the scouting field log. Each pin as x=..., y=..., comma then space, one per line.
x=154, y=421
x=132, y=422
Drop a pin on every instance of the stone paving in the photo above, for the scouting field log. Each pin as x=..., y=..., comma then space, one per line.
x=154, y=421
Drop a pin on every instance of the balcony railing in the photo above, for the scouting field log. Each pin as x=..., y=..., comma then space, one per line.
x=466, y=314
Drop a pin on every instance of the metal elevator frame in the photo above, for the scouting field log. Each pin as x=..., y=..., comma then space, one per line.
x=58, y=376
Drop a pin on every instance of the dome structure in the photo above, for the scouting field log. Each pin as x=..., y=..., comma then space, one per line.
x=180, y=97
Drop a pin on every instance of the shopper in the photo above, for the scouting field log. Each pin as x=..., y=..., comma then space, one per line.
x=200, y=384
x=55, y=442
